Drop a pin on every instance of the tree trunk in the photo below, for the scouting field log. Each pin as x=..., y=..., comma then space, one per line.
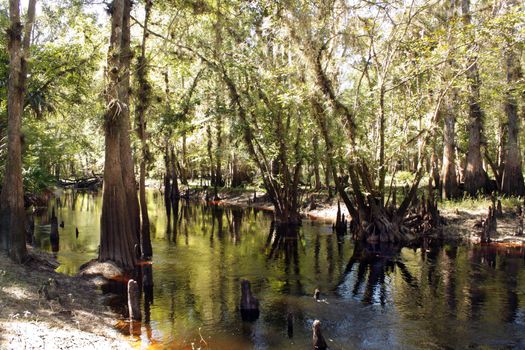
x=175, y=193
x=512, y=180
x=167, y=181
x=126, y=157
x=184, y=163
x=382, y=165
x=449, y=179
x=475, y=178
x=219, y=181
x=327, y=179
x=236, y=176
x=117, y=240
x=141, y=109
x=502, y=142
x=210, y=155
x=317, y=174
x=12, y=214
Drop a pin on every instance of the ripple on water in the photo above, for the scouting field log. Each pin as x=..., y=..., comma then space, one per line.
x=374, y=297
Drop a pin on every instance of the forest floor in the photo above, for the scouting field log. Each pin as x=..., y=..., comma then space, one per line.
x=43, y=309
x=461, y=217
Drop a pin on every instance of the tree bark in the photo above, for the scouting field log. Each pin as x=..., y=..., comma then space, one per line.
x=219, y=181
x=475, y=177
x=128, y=168
x=141, y=109
x=449, y=179
x=512, y=180
x=167, y=181
x=184, y=171
x=12, y=214
x=317, y=174
x=117, y=240
x=175, y=193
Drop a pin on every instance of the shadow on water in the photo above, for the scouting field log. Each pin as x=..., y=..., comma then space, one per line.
x=372, y=296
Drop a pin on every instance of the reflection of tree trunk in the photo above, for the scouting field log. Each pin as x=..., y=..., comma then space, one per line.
x=512, y=180
x=450, y=278
x=512, y=305
x=476, y=284
x=12, y=213
x=237, y=222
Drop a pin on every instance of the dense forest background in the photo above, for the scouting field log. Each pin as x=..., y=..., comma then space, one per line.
x=357, y=98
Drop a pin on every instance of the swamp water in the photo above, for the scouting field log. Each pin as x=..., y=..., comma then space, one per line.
x=441, y=298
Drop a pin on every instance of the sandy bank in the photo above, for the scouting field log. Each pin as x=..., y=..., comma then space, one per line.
x=42, y=309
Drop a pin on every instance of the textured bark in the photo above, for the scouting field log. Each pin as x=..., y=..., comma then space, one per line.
x=175, y=193
x=141, y=109
x=449, y=178
x=512, y=180
x=184, y=161
x=475, y=177
x=12, y=214
x=128, y=168
x=317, y=174
x=167, y=182
x=382, y=165
x=117, y=240
x=134, y=301
x=210, y=155
x=236, y=176
x=219, y=180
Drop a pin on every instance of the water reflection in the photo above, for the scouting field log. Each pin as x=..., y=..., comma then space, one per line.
x=374, y=297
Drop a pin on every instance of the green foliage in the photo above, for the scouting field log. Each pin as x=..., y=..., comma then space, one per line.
x=386, y=62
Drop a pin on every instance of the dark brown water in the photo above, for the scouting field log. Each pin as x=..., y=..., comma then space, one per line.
x=441, y=298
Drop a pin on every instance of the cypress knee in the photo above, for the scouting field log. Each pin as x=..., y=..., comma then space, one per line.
x=317, y=338
x=133, y=301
